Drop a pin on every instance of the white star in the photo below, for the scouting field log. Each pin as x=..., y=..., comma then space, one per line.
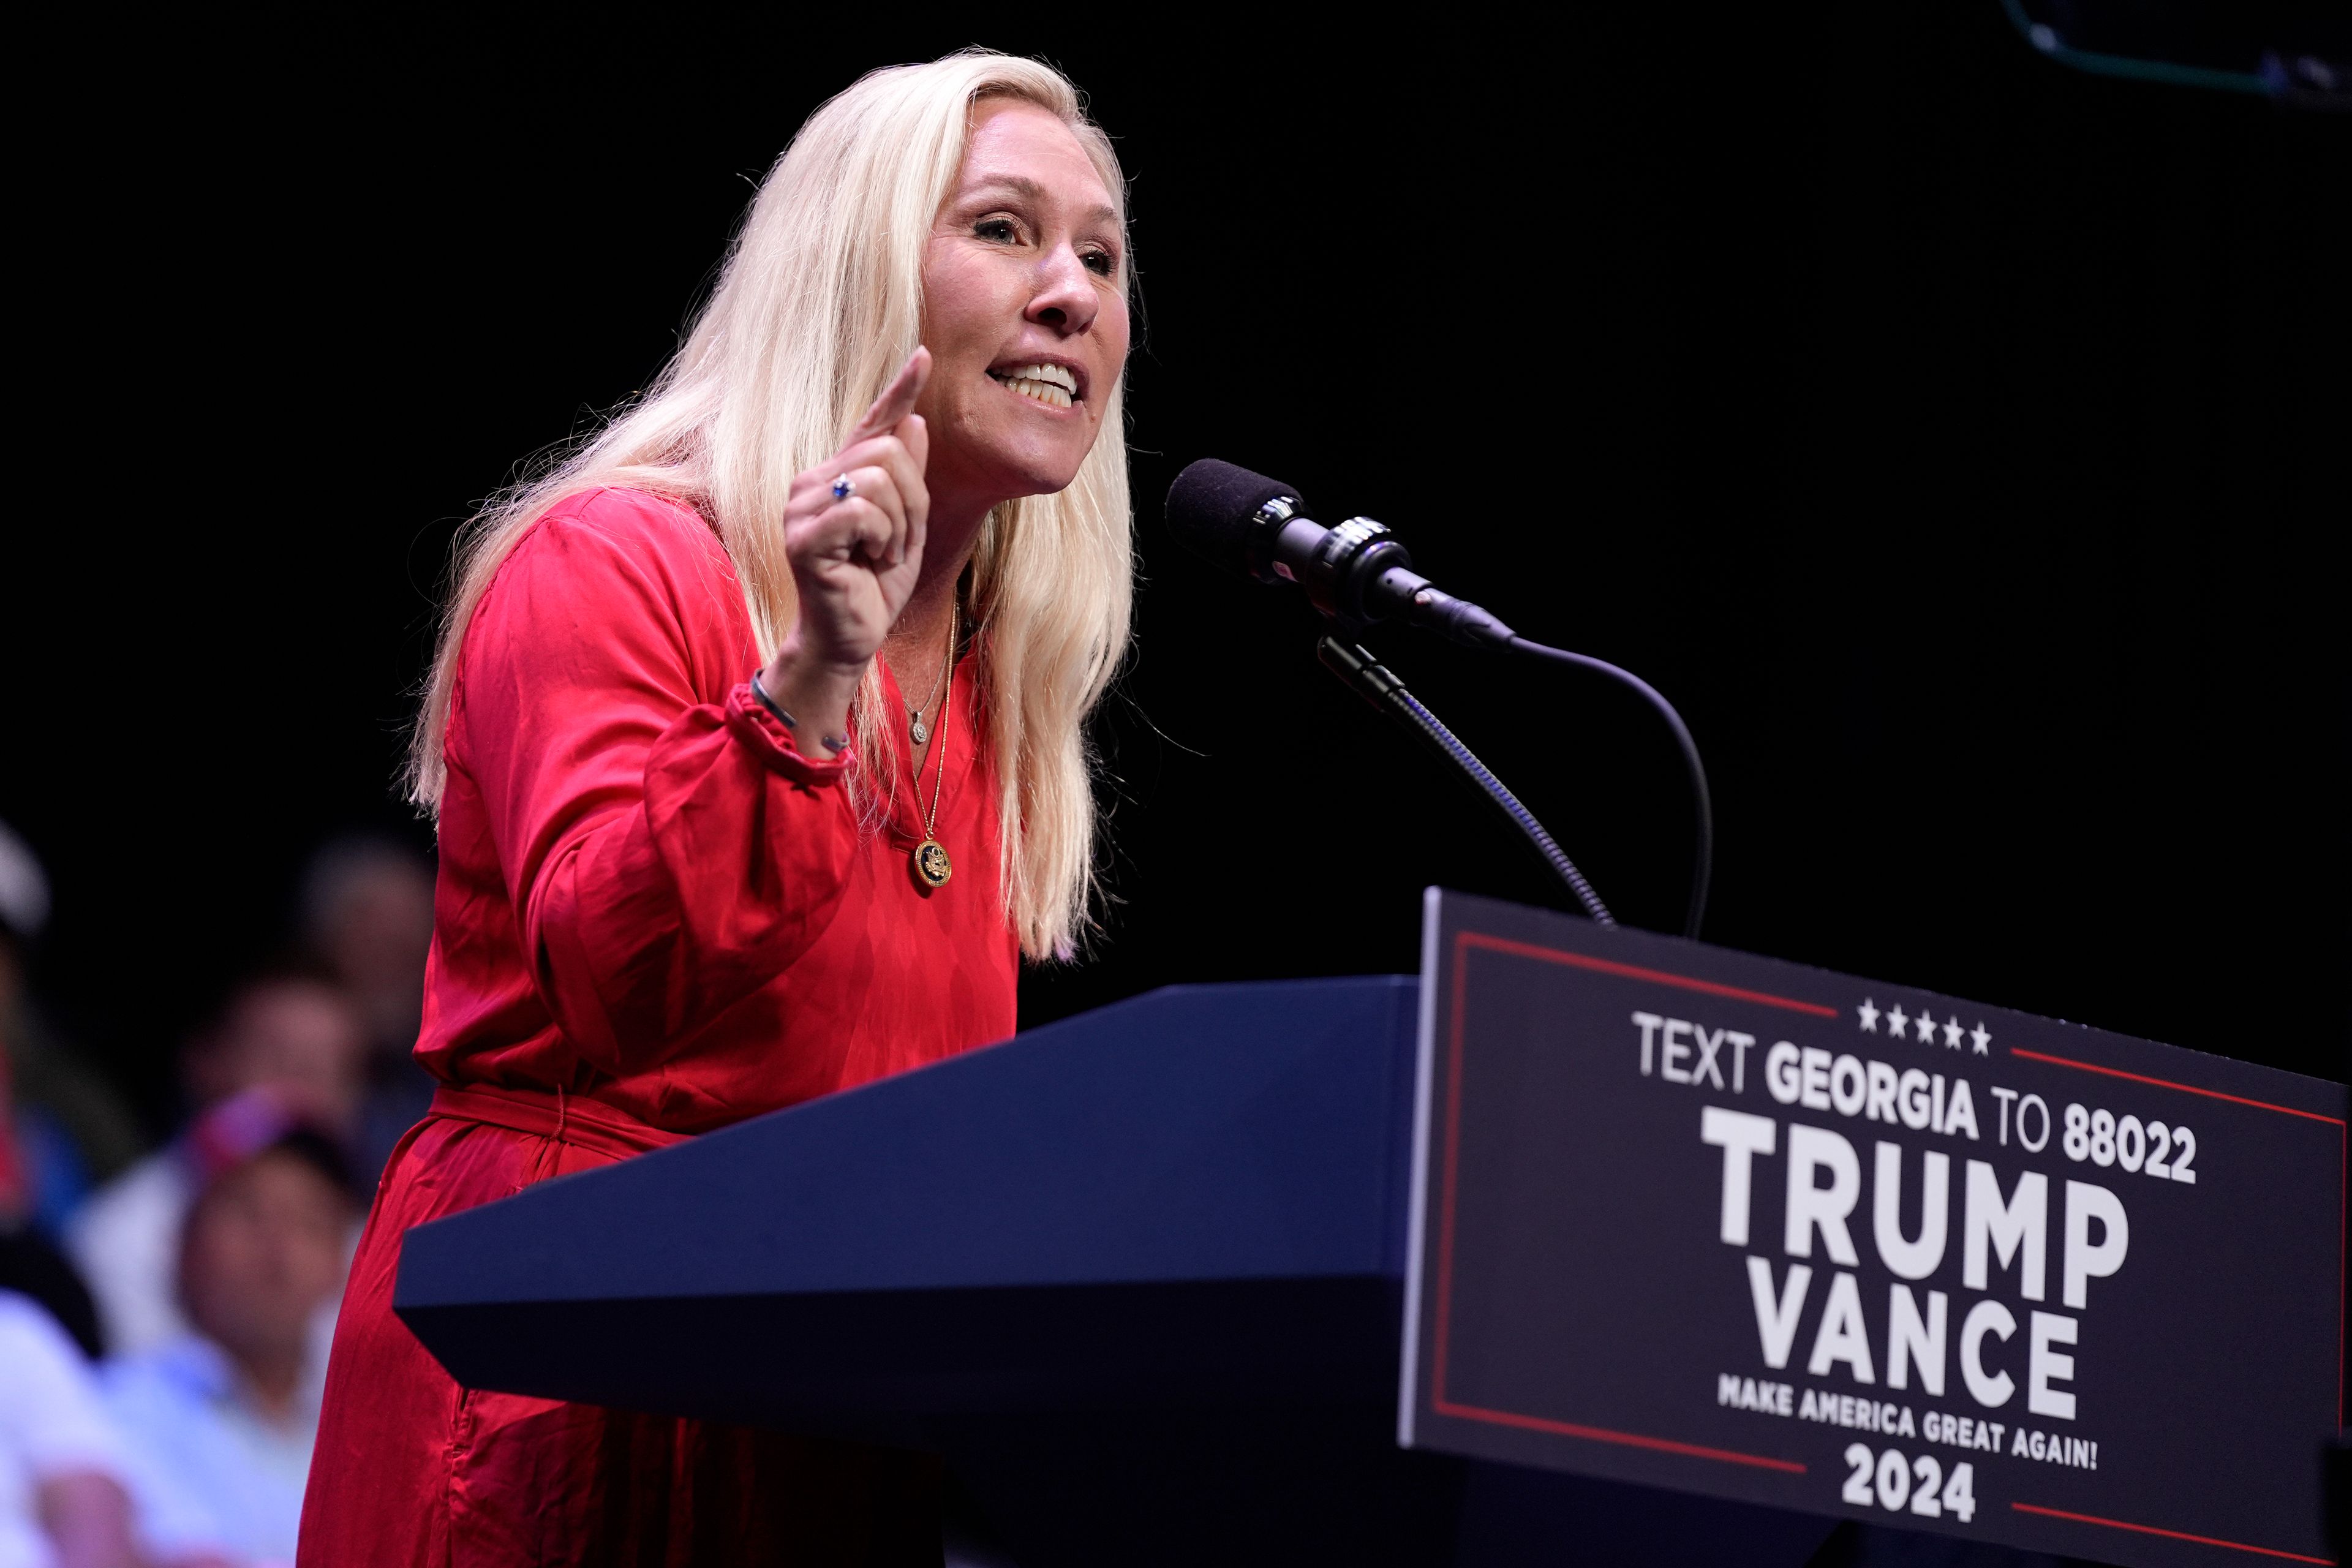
x=1896, y=1019
x=1869, y=1015
x=1982, y=1037
x=1952, y=1035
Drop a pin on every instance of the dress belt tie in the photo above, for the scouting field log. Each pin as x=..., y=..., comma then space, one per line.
x=554, y=1115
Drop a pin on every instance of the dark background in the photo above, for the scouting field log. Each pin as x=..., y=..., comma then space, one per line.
x=1958, y=440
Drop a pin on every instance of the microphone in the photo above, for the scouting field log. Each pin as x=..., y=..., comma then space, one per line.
x=1355, y=574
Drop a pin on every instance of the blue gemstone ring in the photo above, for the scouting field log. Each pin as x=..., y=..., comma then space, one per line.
x=842, y=489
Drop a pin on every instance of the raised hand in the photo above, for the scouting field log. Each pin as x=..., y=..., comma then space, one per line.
x=855, y=558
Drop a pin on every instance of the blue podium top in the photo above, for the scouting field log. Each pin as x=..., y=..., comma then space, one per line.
x=1198, y=1193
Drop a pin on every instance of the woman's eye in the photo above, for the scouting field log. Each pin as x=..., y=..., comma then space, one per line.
x=999, y=229
x=1101, y=263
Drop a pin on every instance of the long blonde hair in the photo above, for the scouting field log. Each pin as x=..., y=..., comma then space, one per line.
x=819, y=302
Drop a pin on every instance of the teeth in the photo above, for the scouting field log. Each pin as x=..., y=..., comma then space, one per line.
x=1042, y=391
x=1051, y=385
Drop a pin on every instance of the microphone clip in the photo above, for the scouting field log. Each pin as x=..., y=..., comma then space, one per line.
x=1344, y=570
x=1360, y=572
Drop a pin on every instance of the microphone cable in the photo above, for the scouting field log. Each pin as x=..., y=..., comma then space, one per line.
x=1703, y=859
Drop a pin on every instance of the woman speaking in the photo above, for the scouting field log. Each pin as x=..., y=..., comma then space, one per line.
x=754, y=736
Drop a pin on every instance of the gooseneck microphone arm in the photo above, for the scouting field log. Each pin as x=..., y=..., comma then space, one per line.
x=1370, y=679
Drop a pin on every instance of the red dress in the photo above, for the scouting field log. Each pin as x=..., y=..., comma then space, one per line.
x=651, y=902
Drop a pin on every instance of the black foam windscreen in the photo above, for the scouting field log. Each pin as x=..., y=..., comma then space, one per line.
x=1210, y=504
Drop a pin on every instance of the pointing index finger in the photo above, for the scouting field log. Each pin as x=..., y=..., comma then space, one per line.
x=897, y=399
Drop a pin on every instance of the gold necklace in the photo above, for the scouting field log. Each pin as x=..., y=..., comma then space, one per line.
x=932, y=866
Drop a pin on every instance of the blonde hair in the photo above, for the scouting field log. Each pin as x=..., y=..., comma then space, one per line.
x=819, y=302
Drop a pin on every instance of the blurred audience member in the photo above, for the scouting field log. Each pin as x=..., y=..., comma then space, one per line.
x=298, y=1038
x=63, y=1503
x=30, y=1264
x=367, y=915
x=72, y=1129
x=220, y=1422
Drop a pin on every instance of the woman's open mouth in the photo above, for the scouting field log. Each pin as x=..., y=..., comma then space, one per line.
x=1051, y=385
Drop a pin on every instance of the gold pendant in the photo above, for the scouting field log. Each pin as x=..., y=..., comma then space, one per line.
x=931, y=863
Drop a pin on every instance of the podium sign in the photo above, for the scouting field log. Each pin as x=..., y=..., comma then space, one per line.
x=1708, y=1221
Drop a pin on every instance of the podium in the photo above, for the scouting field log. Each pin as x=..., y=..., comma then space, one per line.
x=1138, y=1276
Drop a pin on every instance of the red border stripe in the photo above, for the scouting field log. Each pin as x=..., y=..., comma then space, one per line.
x=1466, y=939
x=2168, y=1083
x=1577, y=960
x=1450, y=1183
x=2171, y=1534
x=1603, y=1434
